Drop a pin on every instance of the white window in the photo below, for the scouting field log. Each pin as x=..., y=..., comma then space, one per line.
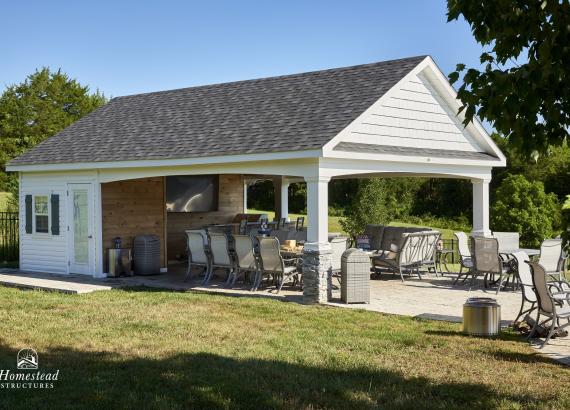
x=41, y=213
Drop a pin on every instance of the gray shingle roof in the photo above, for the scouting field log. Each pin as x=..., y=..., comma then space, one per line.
x=411, y=151
x=287, y=113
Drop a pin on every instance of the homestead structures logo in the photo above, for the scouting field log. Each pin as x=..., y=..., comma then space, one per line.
x=27, y=361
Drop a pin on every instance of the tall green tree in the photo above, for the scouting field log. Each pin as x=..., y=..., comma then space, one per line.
x=522, y=89
x=523, y=206
x=368, y=206
x=42, y=105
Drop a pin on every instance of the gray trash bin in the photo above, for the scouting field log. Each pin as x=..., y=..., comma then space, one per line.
x=355, y=277
x=146, y=255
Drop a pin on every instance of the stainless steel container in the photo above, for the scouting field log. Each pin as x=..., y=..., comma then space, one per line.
x=119, y=262
x=481, y=317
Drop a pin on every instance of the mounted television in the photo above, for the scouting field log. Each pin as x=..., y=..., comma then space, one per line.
x=192, y=193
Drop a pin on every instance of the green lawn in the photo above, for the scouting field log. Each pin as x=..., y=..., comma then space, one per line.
x=334, y=224
x=143, y=348
x=4, y=198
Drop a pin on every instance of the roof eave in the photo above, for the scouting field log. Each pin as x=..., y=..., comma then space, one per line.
x=151, y=163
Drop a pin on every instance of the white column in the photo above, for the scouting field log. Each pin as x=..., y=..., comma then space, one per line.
x=317, y=279
x=244, y=196
x=285, y=199
x=481, y=207
x=318, y=209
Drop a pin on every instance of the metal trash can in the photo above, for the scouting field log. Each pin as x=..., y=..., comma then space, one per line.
x=355, y=277
x=481, y=317
x=119, y=262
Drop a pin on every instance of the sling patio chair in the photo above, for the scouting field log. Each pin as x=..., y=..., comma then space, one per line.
x=283, y=235
x=552, y=303
x=339, y=244
x=551, y=257
x=299, y=223
x=242, y=228
x=245, y=259
x=508, y=241
x=272, y=263
x=527, y=286
x=196, y=242
x=465, y=260
x=220, y=256
x=488, y=262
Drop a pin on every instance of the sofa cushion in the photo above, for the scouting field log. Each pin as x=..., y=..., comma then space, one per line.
x=392, y=235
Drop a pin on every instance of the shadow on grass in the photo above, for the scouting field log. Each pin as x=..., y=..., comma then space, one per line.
x=202, y=380
x=498, y=354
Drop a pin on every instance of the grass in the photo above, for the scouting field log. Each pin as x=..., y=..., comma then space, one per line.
x=334, y=224
x=4, y=200
x=139, y=348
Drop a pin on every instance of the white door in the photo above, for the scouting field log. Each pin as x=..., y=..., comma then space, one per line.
x=80, y=220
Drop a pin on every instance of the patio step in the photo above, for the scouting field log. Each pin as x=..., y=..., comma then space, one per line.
x=52, y=283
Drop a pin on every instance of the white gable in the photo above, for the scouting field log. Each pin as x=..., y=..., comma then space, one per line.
x=414, y=115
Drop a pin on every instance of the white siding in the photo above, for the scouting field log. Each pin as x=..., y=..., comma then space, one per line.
x=46, y=252
x=411, y=115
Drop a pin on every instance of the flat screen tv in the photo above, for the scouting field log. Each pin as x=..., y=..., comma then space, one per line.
x=192, y=193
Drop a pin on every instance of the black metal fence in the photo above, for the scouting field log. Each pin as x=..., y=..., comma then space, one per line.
x=9, y=237
x=451, y=244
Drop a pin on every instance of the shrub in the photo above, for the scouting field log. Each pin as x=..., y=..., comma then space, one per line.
x=566, y=223
x=523, y=206
x=367, y=207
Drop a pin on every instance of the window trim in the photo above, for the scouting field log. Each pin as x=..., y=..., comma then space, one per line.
x=48, y=196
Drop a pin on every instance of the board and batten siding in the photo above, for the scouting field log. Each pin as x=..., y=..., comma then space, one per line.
x=230, y=203
x=44, y=252
x=411, y=115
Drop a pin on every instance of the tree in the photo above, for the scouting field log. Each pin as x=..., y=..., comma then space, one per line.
x=523, y=206
x=566, y=223
x=368, y=206
x=523, y=88
x=41, y=106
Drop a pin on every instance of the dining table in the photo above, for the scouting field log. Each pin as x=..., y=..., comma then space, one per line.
x=529, y=251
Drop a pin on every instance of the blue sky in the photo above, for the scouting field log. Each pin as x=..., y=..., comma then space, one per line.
x=127, y=47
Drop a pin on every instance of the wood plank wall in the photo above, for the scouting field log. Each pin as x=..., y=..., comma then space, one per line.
x=230, y=204
x=133, y=207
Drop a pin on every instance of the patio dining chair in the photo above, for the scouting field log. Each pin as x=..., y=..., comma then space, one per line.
x=527, y=286
x=197, y=251
x=551, y=257
x=508, y=241
x=339, y=244
x=242, y=228
x=549, y=303
x=299, y=223
x=280, y=223
x=465, y=260
x=488, y=262
x=220, y=256
x=272, y=263
x=245, y=261
x=282, y=235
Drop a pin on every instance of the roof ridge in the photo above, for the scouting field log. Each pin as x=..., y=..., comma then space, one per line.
x=253, y=80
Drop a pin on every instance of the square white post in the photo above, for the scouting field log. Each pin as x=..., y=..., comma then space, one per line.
x=317, y=252
x=245, y=185
x=481, y=207
x=318, y=209
x=285, y=199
